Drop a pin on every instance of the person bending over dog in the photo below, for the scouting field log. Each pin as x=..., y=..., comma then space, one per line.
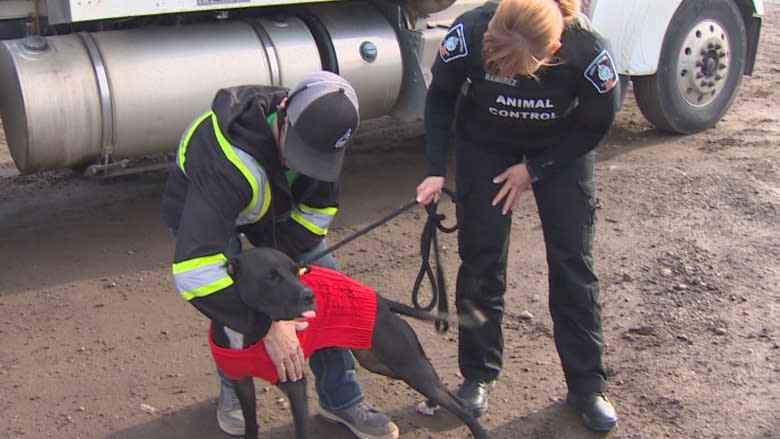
x=265, y=161
x=348, y=314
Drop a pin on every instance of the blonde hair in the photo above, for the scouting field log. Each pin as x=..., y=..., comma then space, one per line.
x=522, y=34
x=570, y=9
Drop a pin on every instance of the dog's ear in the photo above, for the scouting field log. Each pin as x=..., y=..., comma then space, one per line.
x=232, y=267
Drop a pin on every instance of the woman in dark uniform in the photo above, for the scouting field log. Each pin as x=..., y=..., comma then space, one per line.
x=532, y=90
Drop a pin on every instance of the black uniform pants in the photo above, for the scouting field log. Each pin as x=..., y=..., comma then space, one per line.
x=566, y=206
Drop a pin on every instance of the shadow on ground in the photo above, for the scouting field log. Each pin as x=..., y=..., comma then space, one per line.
x=557, y=421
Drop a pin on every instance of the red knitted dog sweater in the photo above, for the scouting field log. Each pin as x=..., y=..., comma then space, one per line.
x=346, y=311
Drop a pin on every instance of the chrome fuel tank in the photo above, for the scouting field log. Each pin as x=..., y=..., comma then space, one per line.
x=90, y=98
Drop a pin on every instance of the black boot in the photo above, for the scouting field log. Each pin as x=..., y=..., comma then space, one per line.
x=596, y=410
x=475, y=394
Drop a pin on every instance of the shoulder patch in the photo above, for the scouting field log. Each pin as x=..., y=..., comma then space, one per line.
x=454, y=44
x=602, y=73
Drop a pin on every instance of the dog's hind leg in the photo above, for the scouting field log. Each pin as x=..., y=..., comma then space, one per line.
x=296, y=394
x=404, y=355
x=368, y=359
x=245, y=390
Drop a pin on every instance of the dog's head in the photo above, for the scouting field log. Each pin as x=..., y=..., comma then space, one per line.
x=269, y=282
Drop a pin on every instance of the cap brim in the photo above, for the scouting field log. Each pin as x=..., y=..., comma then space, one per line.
x=309, y=161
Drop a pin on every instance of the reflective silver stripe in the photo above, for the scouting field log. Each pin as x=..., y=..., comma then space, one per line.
x=201, y=280
x=315, y=220
x=263, y=195
x=251, y=178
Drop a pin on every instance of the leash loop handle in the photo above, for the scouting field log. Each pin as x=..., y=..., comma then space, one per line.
x=429, y=240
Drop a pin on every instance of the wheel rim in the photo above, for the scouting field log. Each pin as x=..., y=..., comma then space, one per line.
x=703, y=65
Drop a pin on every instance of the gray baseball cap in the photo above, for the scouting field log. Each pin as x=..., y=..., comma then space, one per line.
x=323, y=116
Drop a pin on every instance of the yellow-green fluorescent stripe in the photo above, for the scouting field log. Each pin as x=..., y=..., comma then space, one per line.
x=191, y=264
x=185, y=140
x=259, y=175
x=208, y=290
x=315, y=220
x=201, y=277
x=231, y=155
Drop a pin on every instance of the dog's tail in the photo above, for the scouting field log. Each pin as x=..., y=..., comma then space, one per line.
x=472, y=319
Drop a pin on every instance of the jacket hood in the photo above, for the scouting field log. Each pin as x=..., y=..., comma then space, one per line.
x=241, y=114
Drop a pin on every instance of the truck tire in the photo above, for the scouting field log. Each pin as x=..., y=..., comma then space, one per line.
x=700, y=68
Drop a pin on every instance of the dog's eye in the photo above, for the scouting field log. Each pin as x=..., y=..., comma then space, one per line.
x=274, y=275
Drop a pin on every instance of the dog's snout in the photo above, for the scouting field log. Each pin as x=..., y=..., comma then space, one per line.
x=308, y=298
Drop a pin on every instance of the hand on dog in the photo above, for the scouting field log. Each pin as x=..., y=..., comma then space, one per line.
x=284, y=348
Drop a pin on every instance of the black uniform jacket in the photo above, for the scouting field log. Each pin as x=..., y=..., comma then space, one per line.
x=236, y=185
x=549, y=122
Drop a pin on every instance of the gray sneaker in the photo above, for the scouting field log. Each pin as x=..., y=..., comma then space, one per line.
x=229, y=415
x=364, y=421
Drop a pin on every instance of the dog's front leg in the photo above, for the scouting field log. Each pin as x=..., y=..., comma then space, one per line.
x=296, y=394
x=245, y=390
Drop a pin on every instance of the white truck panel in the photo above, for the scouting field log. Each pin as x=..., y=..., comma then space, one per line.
x=64, y=11
x=635, y=30
x=758, y=6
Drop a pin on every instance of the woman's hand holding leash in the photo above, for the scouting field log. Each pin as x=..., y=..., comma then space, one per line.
x=429, y=190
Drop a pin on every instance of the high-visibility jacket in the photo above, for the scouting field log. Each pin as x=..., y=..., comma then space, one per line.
x=229, y=179
x=346, y=314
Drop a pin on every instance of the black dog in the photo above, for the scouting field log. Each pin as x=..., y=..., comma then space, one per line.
x=270, y=283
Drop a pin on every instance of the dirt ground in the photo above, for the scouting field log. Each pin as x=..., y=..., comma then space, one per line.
x=96, y=342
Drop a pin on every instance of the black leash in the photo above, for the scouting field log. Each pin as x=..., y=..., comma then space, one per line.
x=438, y=284
x=360, y=232
x=428, y=240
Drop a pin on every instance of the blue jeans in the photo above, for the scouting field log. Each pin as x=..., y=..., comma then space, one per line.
x=334, y=369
